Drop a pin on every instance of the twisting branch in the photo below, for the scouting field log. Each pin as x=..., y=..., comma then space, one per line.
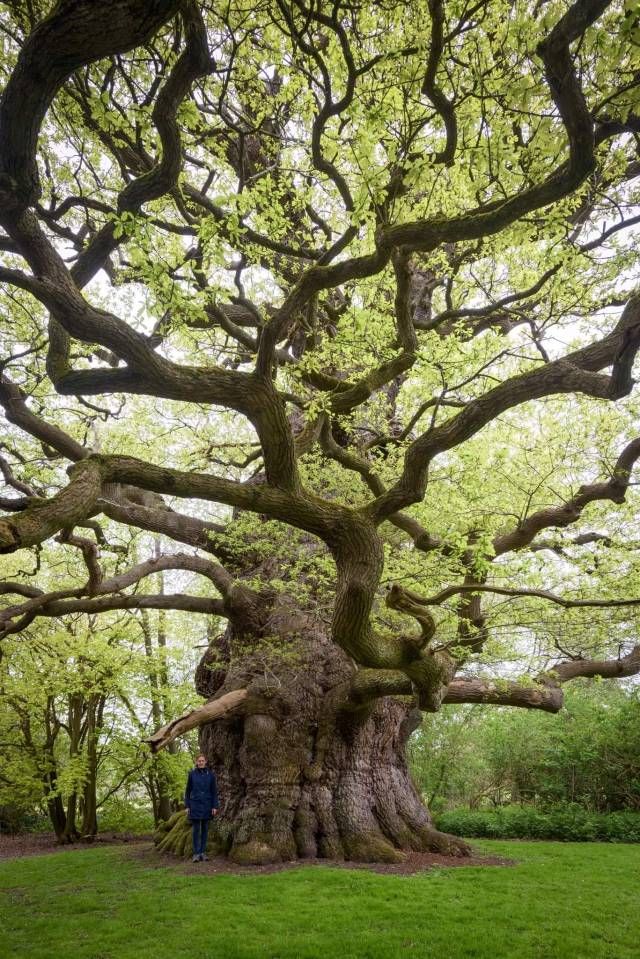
x=12, y=480
x=438, y=598
x=293, y=507
x=614, y=489
x=99, y=595
x=76, y=33
x=559, y=546
x=118, y=502
x=219, y=576
x=406, y=601
x=569, y=99
x=430, y=88
x=574, y=373
x=484, y=312
x=42, y=520
x=89, y=552
x=193, y=62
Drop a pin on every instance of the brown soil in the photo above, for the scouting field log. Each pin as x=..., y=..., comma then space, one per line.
x=415, y=862
x=37, y=844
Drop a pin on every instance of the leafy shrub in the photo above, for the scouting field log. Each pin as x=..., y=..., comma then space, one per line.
x=14, y=820
x=567, y=823
x=120, y=816
x=588, y=755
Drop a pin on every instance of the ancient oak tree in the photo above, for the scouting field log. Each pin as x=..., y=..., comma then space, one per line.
x=336, y=301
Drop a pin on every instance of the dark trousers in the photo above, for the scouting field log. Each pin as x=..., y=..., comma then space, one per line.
x=200, y=831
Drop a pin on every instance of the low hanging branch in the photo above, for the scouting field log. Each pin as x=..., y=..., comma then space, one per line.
x=216, y=709
x=371, y=684
x=544, y=693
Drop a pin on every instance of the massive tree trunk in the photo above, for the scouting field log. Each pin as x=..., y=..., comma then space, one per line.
x=300, y=774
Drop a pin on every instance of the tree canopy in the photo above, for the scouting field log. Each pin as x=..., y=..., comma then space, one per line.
x=340, y=301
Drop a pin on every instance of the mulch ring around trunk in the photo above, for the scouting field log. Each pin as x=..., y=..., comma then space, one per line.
x=42, y=843
x=142, y=850
x=414, y=863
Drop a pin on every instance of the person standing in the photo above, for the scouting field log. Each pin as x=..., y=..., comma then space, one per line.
x=201, y=800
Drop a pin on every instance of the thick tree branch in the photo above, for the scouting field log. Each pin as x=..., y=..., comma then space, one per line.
x=101, y=604
x=574, y=373
x=430, y=88
x=119, y=503
x=570, y=512
x=296, y=508
x=76, y=33
x=180, y=527
x=219, y=576
x=75, y=599
x=89, y=552
x=628, y=665
x=193, y=62
x=369, y=684
x=210, y=712
x=42, y=520
x=18, y=413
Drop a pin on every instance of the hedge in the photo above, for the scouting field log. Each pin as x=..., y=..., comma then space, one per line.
x=567, y=823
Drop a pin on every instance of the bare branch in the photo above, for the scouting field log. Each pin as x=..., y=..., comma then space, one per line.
x=211, y=711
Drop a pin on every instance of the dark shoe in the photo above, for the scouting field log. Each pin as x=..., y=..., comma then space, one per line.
x=195, y=859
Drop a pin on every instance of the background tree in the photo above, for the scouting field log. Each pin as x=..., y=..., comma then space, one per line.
x=341, y=298
x=589, y=755
x=78, y=701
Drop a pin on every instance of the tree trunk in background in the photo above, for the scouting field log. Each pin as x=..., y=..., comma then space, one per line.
x=95, y=708
x=299, y=775
x=162, y=808
x=74, y=724
x=57, y=815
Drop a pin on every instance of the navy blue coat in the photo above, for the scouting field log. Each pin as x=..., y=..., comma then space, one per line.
x=201, y=794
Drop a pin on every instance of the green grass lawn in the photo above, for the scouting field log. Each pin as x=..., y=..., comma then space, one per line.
x=562, y=901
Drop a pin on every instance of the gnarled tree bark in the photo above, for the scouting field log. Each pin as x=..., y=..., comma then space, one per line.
x=302, y=771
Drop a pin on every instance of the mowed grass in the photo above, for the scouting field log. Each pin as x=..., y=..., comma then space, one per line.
x=561, y=901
